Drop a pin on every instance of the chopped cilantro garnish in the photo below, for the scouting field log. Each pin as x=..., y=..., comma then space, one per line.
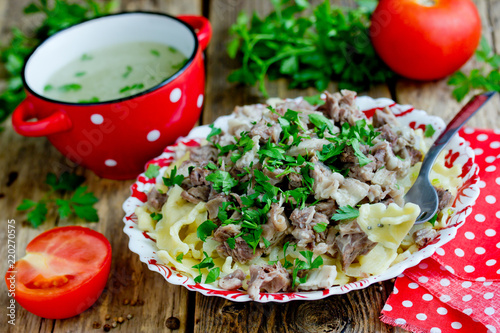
x=321, y=123
x=222, y=181
x=433, y=220
x=174, y=179
x=213, y=275
x=429, y=131
x=179, y=257
x=213, y=132
x=320, y=227
x=153, y=171
x=314, y=99
x=308, y=264
x=345, y=213
x=210, y=166
x=205, y=229
x=362, y=159
x=156, y=216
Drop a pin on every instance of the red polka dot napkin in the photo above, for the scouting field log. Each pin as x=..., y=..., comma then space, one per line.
x=458, y=288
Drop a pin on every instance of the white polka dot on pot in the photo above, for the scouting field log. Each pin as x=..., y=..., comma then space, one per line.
x=495, y=145
x=481, y=184
x=490, y=159
x=480, y=250
x=423, y=279
x=153, y=135
x=497, y=180
x=481, y=279
x=435, y=330
x=487, y=283
x=442, y=311
x=466, y=298
x=440, y=251
x=427, y=297
x=479, y=218
x=459, y=252
x=96, y=119
x=491, y=262
x=423, y=265
x=490, y=232
x=449, y=269
x=468, y=130
x=490, y=168
x=490, y=199
x=466, y=284
x=421, y=316
x=175, y=95
x=110, y=163
x=199, y=101
x=387, y=307
x=456, y=325
x=413, y=285
x=469, y=235
x=478, y=151
x=467, y=311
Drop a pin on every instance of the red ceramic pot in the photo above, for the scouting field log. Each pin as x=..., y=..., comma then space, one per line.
x=116, y=138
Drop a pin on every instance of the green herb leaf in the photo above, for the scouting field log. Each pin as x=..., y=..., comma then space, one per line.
x=152, y=171
x=320, y=227
x=433, y=219
x=213, y=275
x=38, y=215
x=156, y=216
x=222, y=181
x=321, y=122
x=66, y=182
x=70, y=87
x=80, y=74
x=213, y=132
x=429, y=131
x=179, y=257
x=345, y=213
x=174, y=179
x=26, y=204
x=205, y=229
x=156, y=53
x=128, y=70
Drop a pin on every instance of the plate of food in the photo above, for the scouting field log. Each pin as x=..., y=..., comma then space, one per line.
x=297, y=199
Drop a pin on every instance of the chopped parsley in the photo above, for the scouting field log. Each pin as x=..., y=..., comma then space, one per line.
x=205, y=229
x=429, y=131
x=222, y=181
x=174, y=179
x=345, y=213
x=156, y=216
x=152, y=171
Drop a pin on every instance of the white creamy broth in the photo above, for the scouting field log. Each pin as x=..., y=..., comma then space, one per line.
x=114, y=72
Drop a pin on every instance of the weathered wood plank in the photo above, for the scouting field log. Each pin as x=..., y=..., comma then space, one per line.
x=436, y=97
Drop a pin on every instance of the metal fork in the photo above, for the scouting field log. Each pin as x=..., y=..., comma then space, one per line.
x=422, y=193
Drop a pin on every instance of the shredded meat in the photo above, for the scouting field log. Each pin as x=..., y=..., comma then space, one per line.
x=266, y=132
x=268, y=278
x=232, y=281
x=352, y=242
x=196, y=194
x=203, y=154
x=444, y=196
x=156, y=200
x=341, y=107
x=383, y=117
x=327, y=207
x=242, y=252
x=198, y=176
x=214, y=204
x=424, y=236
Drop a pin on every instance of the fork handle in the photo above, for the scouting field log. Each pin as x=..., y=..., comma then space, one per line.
x=453, y=126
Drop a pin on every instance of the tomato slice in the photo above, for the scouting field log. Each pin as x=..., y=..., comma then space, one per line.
x=63, y=272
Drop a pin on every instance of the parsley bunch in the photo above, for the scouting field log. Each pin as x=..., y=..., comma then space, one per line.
x=60, y=15
x=483, y=78
x=331, y=44
x=80, y=203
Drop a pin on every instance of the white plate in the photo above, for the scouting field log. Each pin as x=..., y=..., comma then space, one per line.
x=457, y=152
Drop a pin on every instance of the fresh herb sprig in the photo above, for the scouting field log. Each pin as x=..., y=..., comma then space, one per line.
x=58, y=14
x=331, y=44
x=79, y=204
x=486, y=78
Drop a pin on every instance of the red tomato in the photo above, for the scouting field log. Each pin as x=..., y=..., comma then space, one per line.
x=425, y=39
x=63, y=272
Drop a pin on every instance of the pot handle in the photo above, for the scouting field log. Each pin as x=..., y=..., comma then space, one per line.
x=55, y=123
x=201, y=26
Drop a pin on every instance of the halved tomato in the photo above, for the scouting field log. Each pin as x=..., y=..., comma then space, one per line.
x=63, y=272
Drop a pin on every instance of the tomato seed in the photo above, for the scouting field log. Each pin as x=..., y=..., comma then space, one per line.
x=106, y=328
x=96, y=325
x=133, y=303
x=121, y=320
x=114, y=324
x=126, y=301
x=107, y=317
x=130, y=316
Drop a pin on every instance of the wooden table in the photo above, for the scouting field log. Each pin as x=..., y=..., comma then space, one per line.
x=24, y=163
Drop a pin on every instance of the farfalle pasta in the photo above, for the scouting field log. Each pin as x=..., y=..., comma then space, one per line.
x=293, y=196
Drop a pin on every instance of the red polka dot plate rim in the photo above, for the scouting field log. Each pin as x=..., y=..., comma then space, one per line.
x=458, y=152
